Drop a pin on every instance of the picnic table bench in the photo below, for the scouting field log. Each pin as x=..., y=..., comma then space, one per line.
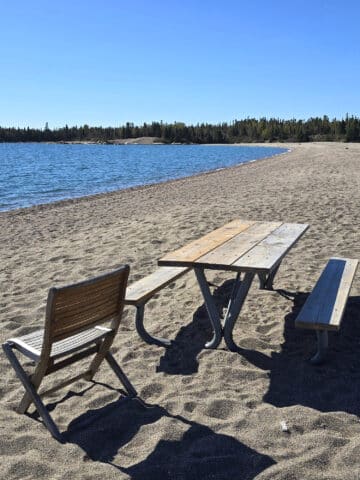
x=141, y=291
x=324, y=308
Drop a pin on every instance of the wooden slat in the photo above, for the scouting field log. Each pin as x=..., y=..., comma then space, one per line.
x=74, y=293
x=83, y=303
x=87, y=315
x=325, y=306
x=142, y=290
x=269, y=252
x=226, y=254
x=186, y=255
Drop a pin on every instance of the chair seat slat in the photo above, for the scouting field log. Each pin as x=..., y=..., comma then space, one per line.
x=33, y=342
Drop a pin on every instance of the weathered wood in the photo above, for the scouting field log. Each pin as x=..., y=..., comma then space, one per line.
x=226, y=254
x=269, y=252
x=187, y=255
x=70, y=315
x=142, y=290
x=325, y=306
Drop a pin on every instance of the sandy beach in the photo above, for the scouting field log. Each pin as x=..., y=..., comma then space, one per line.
x=211, y=414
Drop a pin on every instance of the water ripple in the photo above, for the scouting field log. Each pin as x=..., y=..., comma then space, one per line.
x=41, y=173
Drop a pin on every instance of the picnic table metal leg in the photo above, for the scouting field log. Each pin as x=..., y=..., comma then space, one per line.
x=139, y=322
x=266, y=281
x=234, y=292
x=322, y=344
x=235, y=305
x=211, y=308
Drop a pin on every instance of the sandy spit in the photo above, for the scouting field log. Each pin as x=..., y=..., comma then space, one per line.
x=211, y=414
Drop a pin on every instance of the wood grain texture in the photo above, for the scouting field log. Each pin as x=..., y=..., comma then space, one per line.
x=270, y=251
x=325, y=306
x=142, y=290
x=187, y=255
x=226, y=254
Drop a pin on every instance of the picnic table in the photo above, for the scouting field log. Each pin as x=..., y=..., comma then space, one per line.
x=248, y=248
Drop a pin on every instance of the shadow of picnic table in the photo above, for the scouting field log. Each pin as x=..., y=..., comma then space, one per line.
x=330, y=387
x=333, y=386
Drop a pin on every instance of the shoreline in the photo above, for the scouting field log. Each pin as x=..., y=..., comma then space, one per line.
x=74, y=200
x=208, y=412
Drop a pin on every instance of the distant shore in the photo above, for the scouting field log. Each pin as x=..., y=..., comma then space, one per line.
x=159, y=141
x=124, y=141
x=207, y=412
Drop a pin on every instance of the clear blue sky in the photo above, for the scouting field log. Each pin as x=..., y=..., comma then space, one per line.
x=111, y=61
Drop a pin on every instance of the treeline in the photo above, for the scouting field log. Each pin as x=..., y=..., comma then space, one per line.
x=247, y=130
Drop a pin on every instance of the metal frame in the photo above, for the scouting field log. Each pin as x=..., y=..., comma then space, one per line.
x=267, y=280
x=322, y=346
x=236, y=302
x=144, y=334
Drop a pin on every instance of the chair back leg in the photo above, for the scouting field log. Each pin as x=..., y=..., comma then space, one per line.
x=121, y=375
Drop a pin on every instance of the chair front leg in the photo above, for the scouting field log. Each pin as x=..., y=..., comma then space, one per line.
x=35, y=379
x=31, y=388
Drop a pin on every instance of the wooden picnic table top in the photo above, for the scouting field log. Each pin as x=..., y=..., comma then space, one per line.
x=240, y=246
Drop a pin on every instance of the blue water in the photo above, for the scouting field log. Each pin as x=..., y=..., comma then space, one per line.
x=31, y=174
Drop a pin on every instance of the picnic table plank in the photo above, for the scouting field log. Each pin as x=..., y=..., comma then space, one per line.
x=269, y=252
x=325, y=306
x=190, y=252
x=227, y=253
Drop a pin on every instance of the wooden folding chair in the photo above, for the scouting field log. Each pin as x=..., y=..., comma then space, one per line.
x=74, y=329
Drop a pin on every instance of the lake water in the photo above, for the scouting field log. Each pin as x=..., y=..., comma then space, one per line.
x=31, y=174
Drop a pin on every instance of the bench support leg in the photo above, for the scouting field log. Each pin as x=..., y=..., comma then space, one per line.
x=139, y=322
x=322, y=344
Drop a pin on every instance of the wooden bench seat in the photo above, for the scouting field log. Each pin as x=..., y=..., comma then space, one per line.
x=141, y=291
x=325, y=306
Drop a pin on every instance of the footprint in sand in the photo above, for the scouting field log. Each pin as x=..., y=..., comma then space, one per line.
x=222, y=409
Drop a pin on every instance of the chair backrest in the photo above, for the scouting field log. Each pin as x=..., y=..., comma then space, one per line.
x=74, y=308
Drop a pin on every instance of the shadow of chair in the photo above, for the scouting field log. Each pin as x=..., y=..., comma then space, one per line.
x=199, y=453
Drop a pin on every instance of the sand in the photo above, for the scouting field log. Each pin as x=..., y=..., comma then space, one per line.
x=211, y=414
